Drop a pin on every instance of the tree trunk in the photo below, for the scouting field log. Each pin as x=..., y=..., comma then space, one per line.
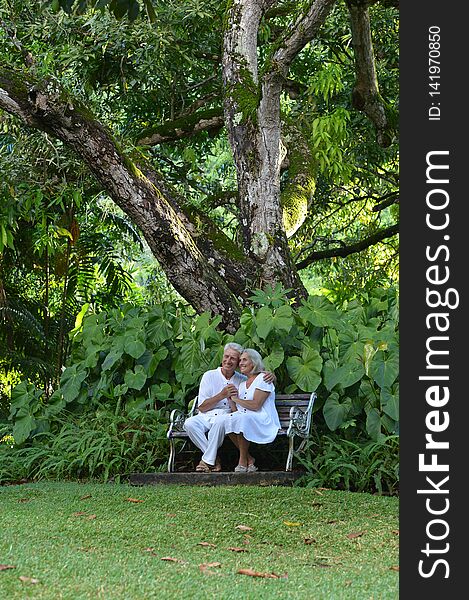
x=198, y=278
x=252, y=118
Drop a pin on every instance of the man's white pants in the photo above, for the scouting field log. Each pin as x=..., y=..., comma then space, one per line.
x=197, y=428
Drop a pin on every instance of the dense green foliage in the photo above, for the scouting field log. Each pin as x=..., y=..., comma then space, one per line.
x=130, y=366
x=147, y=67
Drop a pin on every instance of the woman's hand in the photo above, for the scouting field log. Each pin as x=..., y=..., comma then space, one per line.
x=269, y=377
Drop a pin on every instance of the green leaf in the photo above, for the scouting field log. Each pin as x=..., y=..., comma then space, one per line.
x=336, y=412
x=305, y=371
x=134, y=347
x=275, y=358
x=161, y=392
x=22, y=396
x=373, y=424
x=23, y=428
x=345, y=375
x=136, y=379
x=384, y=368
x=390, y=402
x=278, y=319
x=120, y=390
x=320, y=312
x=113, y=356
x=70, y=382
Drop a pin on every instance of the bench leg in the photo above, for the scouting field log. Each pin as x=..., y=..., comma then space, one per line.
x=172, y=455
x=291, y=451
x=289, y=464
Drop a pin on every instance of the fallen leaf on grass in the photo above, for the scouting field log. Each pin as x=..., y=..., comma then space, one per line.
x=24, y=499
x=133, y=500
x=355, y=534
x=332, y=521
x=252, y=573
x=28, y=579
x=394, y=568
x=79, y=514
x=395, y=531
x=171, y=559
x=91, y=517
x=243, y=528
x=309, y=541
x=213, y=565
x=207, y=544
x=170, y=514
x=236, y=549
x=85, y=497
x=291, y=524
x=247, y=539
x=5, y=567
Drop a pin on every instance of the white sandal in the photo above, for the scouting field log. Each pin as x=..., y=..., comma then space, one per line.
x=241, y=469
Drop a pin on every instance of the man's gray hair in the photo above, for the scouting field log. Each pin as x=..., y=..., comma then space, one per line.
x=256, y=358
x=233, y=346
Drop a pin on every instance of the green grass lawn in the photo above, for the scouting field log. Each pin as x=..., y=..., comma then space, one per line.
x=91, y=541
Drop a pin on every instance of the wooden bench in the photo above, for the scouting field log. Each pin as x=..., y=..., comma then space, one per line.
x=294, y=411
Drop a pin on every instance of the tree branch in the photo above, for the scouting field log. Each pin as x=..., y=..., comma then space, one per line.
x=183, y=127
x=366, y=96
x=138, y=190
x=304, y=30
x=345, y=251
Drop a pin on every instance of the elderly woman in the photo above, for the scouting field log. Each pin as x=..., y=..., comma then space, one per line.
x=254, y=417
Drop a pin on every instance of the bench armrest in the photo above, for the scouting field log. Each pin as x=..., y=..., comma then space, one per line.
x=300, y=420
x=176, y=421
x=178, y=417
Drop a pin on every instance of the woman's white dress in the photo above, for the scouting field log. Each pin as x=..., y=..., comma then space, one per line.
x=260, y=426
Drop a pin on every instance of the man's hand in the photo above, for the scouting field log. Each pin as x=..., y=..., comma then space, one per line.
x=229, y=390
x=269, y=377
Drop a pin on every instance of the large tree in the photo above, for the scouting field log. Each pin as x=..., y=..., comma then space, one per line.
x=247, y=92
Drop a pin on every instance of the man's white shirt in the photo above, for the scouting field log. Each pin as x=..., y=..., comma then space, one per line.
x=212, y=383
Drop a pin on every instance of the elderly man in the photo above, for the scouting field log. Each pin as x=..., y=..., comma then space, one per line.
x=216, y=386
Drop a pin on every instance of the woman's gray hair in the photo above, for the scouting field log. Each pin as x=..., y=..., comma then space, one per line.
x=233, y=346
x=256, y=359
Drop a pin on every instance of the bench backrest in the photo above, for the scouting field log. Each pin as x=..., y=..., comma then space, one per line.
x=283, y=402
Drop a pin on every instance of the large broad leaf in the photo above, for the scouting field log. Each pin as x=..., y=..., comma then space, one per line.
x=390, y=402
x=111, y=359
x=135, y=379
x=345, y=375
x=93, y=330
x=23, y=427
x=150, y=360
x=320, y=311
x=336, y=412
x=351, y=345
x=22, y=395
x=158, y=330
x=134, y=346
x=191, y=358
x=162, y=392
x=70, y=382
x=275, y=358
x=373, y=424
x=305, y=371
x=279, y=319
x=384, y=368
